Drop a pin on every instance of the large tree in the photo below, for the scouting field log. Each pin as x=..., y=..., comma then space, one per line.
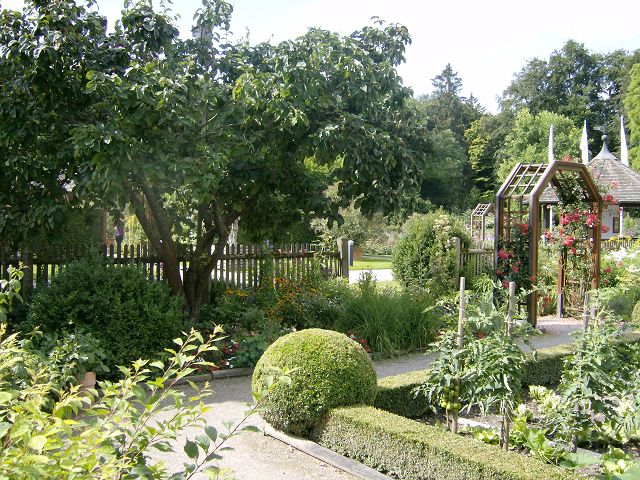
x=632, y=107
x=575, y=83
x=198, y=132
x=446, y=108
x=528, y=140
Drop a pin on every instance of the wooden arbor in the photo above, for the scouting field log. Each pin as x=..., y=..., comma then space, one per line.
x=518, y=203
x=479, y=222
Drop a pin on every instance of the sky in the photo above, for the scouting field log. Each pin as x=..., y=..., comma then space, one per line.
x=486, y=42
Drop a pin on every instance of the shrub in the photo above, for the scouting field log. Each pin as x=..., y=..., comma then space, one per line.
x=330, y=370
x=130, y=316
x=416, y=451
x=423, y=257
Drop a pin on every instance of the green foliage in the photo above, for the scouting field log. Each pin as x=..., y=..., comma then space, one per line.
x=424, y=257
x=444, y=182
x=111, y=434
x=9, y=292
x=396, y=393
x=632, y=107
x=528, y=140
x=485, y=136
x=327, y=370
x=575, y=83
x=414, y=450
x=129, y=315
x=391, y=321
x=70, y=355
x=196, y=133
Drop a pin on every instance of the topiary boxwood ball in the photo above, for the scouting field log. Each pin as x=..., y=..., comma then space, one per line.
x=331, y=371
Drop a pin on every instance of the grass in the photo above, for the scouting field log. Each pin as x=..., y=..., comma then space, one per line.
x=371, y=263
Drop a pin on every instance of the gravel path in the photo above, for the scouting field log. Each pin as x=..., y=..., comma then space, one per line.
x=256, y=456
x=381, y=275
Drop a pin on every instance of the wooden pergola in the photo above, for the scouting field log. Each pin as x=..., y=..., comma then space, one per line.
x=479, y=221
x=518, y=202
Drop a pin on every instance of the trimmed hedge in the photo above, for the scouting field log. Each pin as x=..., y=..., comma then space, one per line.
x=395, y=394
x=416, y=451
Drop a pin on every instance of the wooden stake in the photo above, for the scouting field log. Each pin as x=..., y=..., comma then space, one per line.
x=505, y=425
x=461, y=316
x=585, y=313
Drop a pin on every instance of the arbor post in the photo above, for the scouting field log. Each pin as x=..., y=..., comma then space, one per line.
x=343, y=250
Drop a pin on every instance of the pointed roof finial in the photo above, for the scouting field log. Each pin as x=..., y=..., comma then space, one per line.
x=605, y=154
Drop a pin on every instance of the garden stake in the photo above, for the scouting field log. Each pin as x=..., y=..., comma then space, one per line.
x=585, y=313
x=461, y=315
x=506, y=413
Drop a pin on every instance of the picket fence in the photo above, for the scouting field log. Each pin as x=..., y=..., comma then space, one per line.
x=240, y=265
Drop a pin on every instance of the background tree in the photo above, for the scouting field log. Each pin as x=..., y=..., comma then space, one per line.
x=199, y=132
x=446, y=108
x=528, y=140
x=485, y=136
x=632, y=106
x=575, y=83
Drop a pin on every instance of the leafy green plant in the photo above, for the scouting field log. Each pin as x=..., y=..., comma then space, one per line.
x=129, y=315
x=108, y=435
x=423, y=257
x=487, y=435
x=9, y=292
x=70, y=355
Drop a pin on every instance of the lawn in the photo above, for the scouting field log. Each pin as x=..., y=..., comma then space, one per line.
x=372, y=263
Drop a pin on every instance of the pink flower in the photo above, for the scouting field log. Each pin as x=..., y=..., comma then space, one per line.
x=568, y=241
x=515, y=269
x=548, y=235
x=605, y=229
x=592, y=219
x=608, y=270
x=564, y=220
x=502, y=254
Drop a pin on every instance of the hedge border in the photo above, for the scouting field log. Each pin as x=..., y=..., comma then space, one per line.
x=395, y=393
x=416, y=451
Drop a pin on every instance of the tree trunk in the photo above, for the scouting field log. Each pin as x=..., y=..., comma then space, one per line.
x=197, y=281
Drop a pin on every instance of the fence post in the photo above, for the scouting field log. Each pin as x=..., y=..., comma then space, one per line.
x=457, y=247
x=343, y=250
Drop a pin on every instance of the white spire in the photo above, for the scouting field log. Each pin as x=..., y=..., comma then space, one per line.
x=550, y=155
x=624, y=151
x=584, y=144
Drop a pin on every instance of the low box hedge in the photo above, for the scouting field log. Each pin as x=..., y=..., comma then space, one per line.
x=416, y=451
x=395, y=393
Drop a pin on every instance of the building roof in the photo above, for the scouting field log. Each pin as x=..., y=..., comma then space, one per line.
x=620, y=180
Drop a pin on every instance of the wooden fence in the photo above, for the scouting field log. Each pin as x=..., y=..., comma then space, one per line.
x=474, y=262
x=614, y=243
x=241, y=265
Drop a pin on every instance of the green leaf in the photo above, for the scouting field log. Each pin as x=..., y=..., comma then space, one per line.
x=191, y=449
x=211, y=432
x=37, y=443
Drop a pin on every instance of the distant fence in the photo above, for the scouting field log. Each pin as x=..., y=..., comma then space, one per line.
x=613, y=244
x=241, y=265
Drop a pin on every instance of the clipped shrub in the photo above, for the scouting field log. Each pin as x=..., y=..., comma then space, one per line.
x=415, y=451
x=130, y=316
x=331, y=370
x=423, y=257
x=635, y=315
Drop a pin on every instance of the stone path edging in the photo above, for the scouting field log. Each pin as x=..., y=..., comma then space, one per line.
x=325, y=455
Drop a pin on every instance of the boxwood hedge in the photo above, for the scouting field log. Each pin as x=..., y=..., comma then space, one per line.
x=416, y=451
